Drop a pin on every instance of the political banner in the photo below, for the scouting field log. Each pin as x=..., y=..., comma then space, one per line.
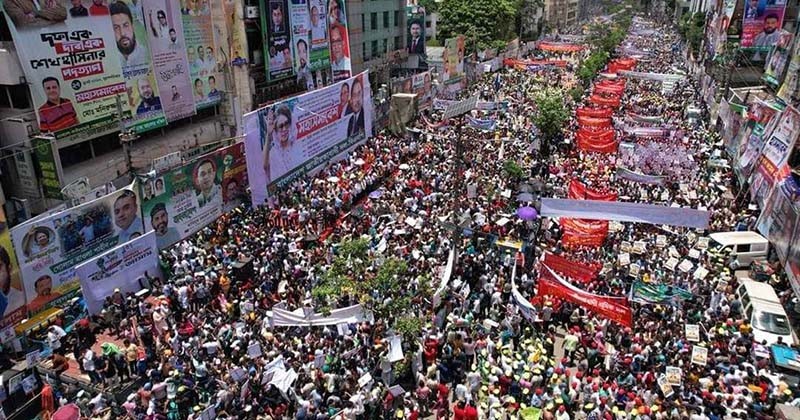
x=761, y=23
x=624, y=173
x=625, y=212
x=657, y=294
x=789, y=89
x=792, y=266
x=771, y=165
x=415, y=30
x=579, y=191
x=236, y=42
x=277, y=36
x=68, y=56
x=339, y=39
x=133, y=52
x=51, y=182
x=201, y=40
x=300, y=30
x=49, y=249
x=778, y=59
x=164, y=26
x=286, y=140
x=574, y=270
x=320, y=56
x=579, y=232
x=186, y=199
x=616, y=309
x=419, y=84
x=12, y=293
x=121, y=267
x=453, y=62
x=779, y=218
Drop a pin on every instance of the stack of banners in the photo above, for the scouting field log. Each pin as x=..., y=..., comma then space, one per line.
x=12, y=293
x=186, y=199
x=166, y=37
x=625, y=212
x=452, y=74
x=574, y=270
x=790, y=89
x=481, y=124
x=559, y=46
x=612, y=101
x=579, y=191
x=524, y=64
x=577, y=232
x=288, y=139
x=415, y=30
x=624, y=173
x=617, y=309
x=50, y=248
x=419, y=84
x=772, y=163
x=74, y=70
x=778, y=220
x=778, y=59
x=122, y=267
x=599, y=141
x=594, y=123
x=593, y=112
x=761, y=24
x=657, y=294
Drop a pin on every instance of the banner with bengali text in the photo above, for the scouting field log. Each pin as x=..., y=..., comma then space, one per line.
x=12, y=293
x=202, y=39
x=616, y=309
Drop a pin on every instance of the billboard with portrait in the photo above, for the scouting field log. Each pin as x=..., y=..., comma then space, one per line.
x=186, y=199
x=12, y=294
x=286, y=140
x=201, y=41
x=69, y=57
x=415, y=30
x=49, y=249
x=420, y=84
x=278, y=39
x=164, y=27
x=789, y=89
x=779, y=218
x=762, y=23
x=771, y=166
x=452, y=74
x=320, y=55
x=133, y=53
x=300, y=28
x=237, y=38
x=118, y=268
x=339, y=40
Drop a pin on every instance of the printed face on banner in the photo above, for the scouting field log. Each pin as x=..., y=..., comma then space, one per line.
x=278, y=47
x=762, y=23
x=190, y=197
x=69, y=54
x=164, y=27
x=201, y=40
x=50, y=248
x=309, y=58
x=12, y=293
x=290, y=138
x=415, y=30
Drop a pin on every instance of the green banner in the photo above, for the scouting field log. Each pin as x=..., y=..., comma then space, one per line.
x=657, y=294
x=51, y=184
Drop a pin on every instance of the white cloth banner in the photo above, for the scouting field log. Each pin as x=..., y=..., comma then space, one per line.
x=120, y=267
x=350, y=315
x=448, y=271
x=625, y=212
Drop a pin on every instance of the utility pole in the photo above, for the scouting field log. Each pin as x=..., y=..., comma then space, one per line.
x=126, y=137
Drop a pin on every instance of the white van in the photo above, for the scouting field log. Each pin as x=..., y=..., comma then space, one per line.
x=763, y=309
x=743, y=247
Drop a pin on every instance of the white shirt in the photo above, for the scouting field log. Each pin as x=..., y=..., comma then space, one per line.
x=88, y=361
x=135, y=227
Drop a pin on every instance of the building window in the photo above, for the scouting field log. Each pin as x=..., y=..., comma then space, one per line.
x=385, y=46
x=375, y=51
x=19, y=96
x=373, y=21
x=363, y=25
x=428, y=24
x=386, y=19
x=398, y=42
x=396, y=18
x=364, y=55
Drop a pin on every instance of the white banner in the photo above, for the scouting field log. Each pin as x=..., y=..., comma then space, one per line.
x=118, y=268
x=350, y=315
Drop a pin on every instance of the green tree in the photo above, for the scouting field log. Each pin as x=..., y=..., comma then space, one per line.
x=551, y=114
x=481, y=21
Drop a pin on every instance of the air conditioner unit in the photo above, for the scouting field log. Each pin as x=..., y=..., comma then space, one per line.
x=251, y=12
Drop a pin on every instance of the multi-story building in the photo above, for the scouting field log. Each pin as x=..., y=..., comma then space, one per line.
x=560, y=14
x=376, y=30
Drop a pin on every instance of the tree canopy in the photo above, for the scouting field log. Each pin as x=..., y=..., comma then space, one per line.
x=481, y=21
x=551, y=113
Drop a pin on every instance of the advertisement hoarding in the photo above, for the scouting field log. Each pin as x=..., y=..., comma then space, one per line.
x=184, y=200
x=73, y=66
x=762, y=23
x=278, y=46
x=12, y=293
x=118, y=268
x=339, y=39
x=415, y=30
x=50, y=248
x=201, y=41
x=285, y=140
x=771, y=165
x=164, y=27
x=320, y=47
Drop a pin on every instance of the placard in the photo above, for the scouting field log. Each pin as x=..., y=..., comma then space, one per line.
x=674, y=375
x=33, y=358
x=692, y=332
x=634, y=270
x=702, y=243
x=694, y=253
x=686, y=266
x=254, y=350
x=699, y=355
x=661, y=241
x=624, y=259
x=671, y=263
x=639, y=247
x=665, y=386
x=625, y=246
x=700, y=273
x=364, y=380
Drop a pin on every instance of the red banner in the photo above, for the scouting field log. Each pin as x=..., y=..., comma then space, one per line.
x=615, y=90
x=594, y=122
x=621, y=64
x=600, y=141
x=613, y=102
x=578, y=191
x=550, y=46
x=572, y=269
x=617, y=309
x=593, y=112
x=580, y=232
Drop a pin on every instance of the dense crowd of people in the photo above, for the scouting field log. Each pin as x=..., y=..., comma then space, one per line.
x=203, y=340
